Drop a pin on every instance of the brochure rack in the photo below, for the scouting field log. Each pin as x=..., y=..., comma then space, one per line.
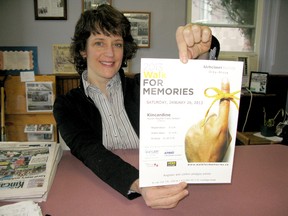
x=16, y=115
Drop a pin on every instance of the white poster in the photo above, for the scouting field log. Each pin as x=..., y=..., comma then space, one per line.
x=188, y=120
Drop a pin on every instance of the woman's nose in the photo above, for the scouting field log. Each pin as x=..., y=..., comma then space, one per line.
x=109, y=50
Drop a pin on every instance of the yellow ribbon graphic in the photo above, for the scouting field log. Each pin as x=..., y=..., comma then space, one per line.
x=219, y=96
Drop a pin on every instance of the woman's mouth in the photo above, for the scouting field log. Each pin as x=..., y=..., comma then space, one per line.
x=107, y=63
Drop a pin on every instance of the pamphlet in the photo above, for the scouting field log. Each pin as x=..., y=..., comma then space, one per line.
x=188, y=120
x=39, y=132
x=39, y=96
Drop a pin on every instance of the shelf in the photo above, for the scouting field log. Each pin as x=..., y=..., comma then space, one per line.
x=16, y=115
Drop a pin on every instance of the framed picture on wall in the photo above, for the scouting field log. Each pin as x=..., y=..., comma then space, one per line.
x=14, y=59
x=258, y=82
x=50, y=9
x=140, y=27
x=62, y=62
x=92, y=4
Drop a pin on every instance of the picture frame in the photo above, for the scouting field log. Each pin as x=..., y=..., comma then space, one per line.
x=16, y=59
x=50, y=9
x=258, y=82
x=62, y=62
x=92, y=4
x=140, y=27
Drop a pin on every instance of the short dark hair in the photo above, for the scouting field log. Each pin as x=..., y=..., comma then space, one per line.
x=104, y=19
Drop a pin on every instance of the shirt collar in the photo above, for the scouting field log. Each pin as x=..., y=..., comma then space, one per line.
x=112, y=84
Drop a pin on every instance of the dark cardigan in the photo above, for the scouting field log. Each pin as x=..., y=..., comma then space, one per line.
x=80, y=126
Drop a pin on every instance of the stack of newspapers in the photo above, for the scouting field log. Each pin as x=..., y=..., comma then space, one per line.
x=27, y=170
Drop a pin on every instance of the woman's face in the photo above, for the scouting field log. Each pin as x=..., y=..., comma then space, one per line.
x=104, y=56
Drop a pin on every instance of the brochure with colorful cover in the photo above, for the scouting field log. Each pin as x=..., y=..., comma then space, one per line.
x=188, y=120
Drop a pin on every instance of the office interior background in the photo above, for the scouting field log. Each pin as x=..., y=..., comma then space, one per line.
x=19, y=28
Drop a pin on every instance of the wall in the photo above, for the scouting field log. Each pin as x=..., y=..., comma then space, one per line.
x=19, y=27
x=280, y=65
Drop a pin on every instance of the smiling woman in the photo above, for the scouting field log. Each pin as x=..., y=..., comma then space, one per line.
x=104, y=56
x=102, y=114
x=92, y=22
x=99, y=48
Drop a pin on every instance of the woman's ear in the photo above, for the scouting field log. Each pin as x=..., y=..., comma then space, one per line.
x=83, y=54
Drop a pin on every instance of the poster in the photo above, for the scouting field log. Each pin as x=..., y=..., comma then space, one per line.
x=16, y=59
x=188, y=120
x=62, y=62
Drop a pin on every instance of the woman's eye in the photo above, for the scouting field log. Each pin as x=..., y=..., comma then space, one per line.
x=99, y=43
x=119, y=45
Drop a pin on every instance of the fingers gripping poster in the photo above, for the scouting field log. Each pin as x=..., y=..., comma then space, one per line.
x=188, y=120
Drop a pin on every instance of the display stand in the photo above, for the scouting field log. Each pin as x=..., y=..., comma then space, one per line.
x=16, y=115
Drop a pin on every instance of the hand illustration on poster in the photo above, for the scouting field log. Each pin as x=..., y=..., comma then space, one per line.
x=209, y=140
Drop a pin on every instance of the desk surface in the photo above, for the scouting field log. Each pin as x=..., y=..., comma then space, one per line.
x=259, y=187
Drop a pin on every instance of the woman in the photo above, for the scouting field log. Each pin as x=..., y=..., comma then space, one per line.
x=103, y=113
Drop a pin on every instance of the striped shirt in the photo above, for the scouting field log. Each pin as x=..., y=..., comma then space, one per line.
x=118, y=132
